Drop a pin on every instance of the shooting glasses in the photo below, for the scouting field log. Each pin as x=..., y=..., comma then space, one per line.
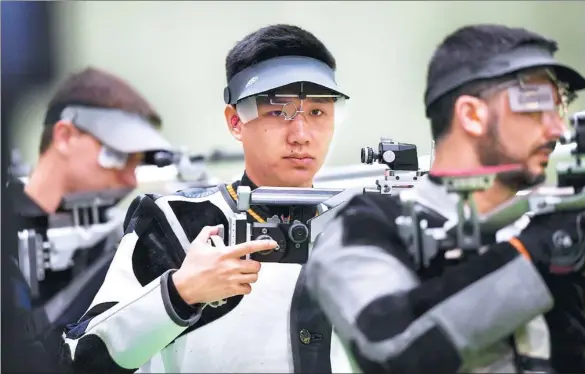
x=284, y=87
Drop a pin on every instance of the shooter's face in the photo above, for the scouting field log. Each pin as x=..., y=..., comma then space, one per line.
x=80, y=152
x=527, y=139
x=286, y=144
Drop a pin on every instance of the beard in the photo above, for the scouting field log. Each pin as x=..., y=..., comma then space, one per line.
x=491, y=153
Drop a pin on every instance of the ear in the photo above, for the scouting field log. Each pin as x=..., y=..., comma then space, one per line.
x=233, y=122
x=471, y=114
x=63, y=133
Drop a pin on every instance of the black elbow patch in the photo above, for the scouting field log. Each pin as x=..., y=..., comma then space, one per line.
x=92, y=357
x=386, y=317
x=432, y=352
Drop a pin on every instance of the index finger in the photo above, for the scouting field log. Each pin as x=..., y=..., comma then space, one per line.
x=250, y=247
x=206, y=233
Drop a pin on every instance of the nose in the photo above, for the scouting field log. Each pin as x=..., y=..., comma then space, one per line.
x=298, y=130
x=554, y=126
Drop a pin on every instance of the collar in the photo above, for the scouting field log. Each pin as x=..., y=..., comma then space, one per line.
x=261, y=213
x=22, y=204
x=246, y=181
x=434, y=179
x=27, y=213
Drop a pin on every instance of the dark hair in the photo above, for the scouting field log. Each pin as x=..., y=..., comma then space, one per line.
x=275, y=41
x=95, y=88
x=471, y=45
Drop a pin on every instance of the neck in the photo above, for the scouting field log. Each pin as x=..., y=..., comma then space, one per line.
x=45, y=185
x=486, y=201
x=448, y=157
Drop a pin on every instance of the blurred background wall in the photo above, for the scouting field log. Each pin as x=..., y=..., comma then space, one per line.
x=174, y=52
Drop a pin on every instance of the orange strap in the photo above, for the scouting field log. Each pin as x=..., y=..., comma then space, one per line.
x=234, y=196
x=516, y=243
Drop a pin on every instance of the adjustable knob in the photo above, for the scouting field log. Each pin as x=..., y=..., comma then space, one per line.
x=367, y=155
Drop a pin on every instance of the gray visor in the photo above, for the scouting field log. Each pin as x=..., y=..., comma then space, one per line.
x=519, y=59
x=277, y=72
x=122, y=131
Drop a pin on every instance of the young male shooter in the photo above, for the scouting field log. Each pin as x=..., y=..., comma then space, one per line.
x=282, y=104
x=398, y=318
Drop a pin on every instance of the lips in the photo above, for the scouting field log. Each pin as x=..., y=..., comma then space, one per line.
x=300, y=159
x=546, y=152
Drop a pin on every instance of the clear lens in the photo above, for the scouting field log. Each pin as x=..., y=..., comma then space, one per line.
x=112, y=159
x=551, y=102
x=290, y=110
